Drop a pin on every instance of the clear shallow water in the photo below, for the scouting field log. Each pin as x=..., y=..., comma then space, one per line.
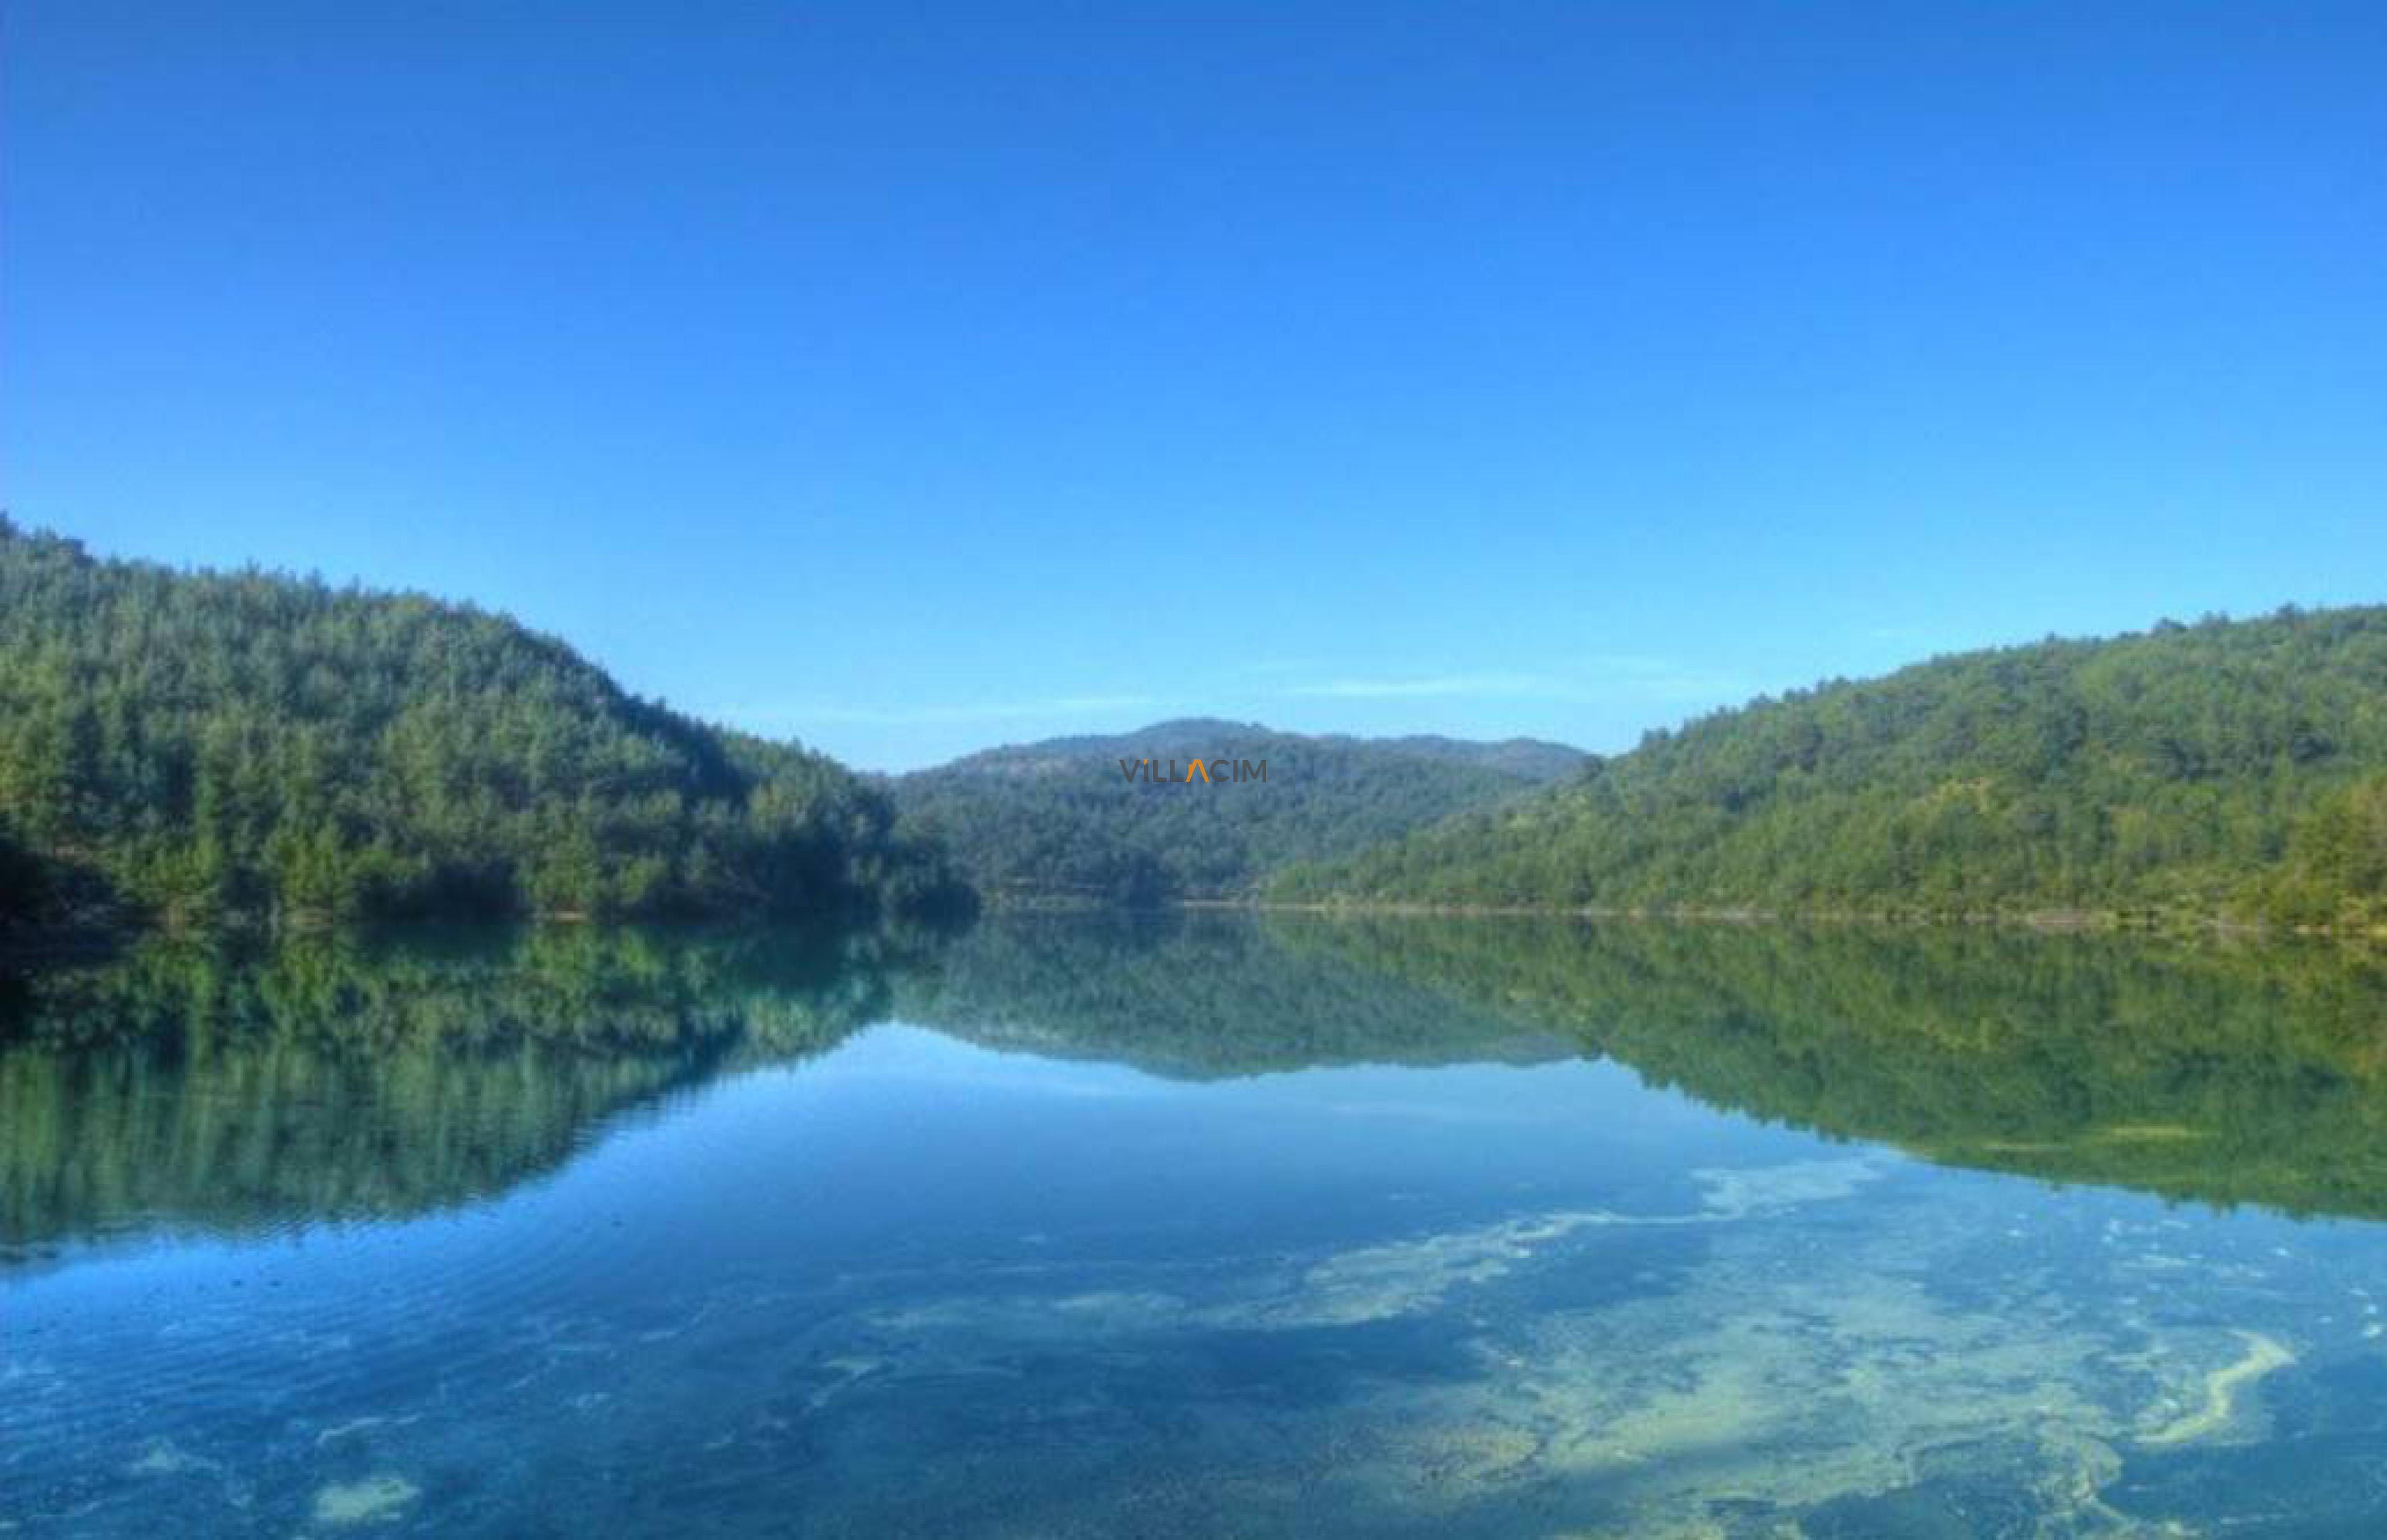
x=1075, y=1227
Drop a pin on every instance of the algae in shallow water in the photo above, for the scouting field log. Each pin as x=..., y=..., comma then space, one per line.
x=374, y=1500
x=2264, y=1355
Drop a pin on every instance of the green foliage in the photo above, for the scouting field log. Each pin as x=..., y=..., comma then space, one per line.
x=2225, y=769
x=1060, y=820
x=244, y=746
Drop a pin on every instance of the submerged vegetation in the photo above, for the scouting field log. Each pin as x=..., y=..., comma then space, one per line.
x=197, y=748
x=1487, y=1301
x=2234, y=770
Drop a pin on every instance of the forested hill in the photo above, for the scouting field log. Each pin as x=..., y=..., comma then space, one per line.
x=192, y=747
x=1060, y=819
x=2226, y=769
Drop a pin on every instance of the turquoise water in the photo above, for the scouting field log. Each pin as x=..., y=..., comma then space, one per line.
x=1208, y=1227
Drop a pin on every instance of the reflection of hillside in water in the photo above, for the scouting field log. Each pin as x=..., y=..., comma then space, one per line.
x=333, y=1078
x=2217, y=1073
x=1201, y=995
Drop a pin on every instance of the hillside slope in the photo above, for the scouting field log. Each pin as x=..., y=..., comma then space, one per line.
x=194, y=746
x=2233, y=769
x=1061, y=819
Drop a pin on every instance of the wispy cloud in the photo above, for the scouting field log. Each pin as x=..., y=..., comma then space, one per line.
x=932, y=712
x=1599, y=678
x=1409, y=687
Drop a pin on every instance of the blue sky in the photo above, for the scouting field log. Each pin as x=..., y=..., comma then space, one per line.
x=912, y=378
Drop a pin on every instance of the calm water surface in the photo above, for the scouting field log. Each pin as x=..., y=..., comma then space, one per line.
x=1069, y=1226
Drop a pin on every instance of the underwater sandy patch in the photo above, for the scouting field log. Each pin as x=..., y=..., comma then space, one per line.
x=374, y=1500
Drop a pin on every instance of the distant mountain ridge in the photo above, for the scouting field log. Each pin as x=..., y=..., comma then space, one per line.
x=2225, y=770
x=1532, y=758
x=1063, y=819
x=1182, y=737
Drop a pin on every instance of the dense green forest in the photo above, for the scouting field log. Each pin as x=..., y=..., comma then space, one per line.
x=2225, y=769
x=194, y=746
x=1060, y=819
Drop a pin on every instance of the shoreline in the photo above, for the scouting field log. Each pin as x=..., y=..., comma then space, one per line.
x=2050, y=922
x=47, y=945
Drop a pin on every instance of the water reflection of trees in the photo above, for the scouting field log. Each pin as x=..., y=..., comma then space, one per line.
x=339, y=1078
x=1200, y=995
x=2214, y=1072
x=2220, y=1073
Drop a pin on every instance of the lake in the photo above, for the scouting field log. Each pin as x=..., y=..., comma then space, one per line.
x=1197, y=1225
